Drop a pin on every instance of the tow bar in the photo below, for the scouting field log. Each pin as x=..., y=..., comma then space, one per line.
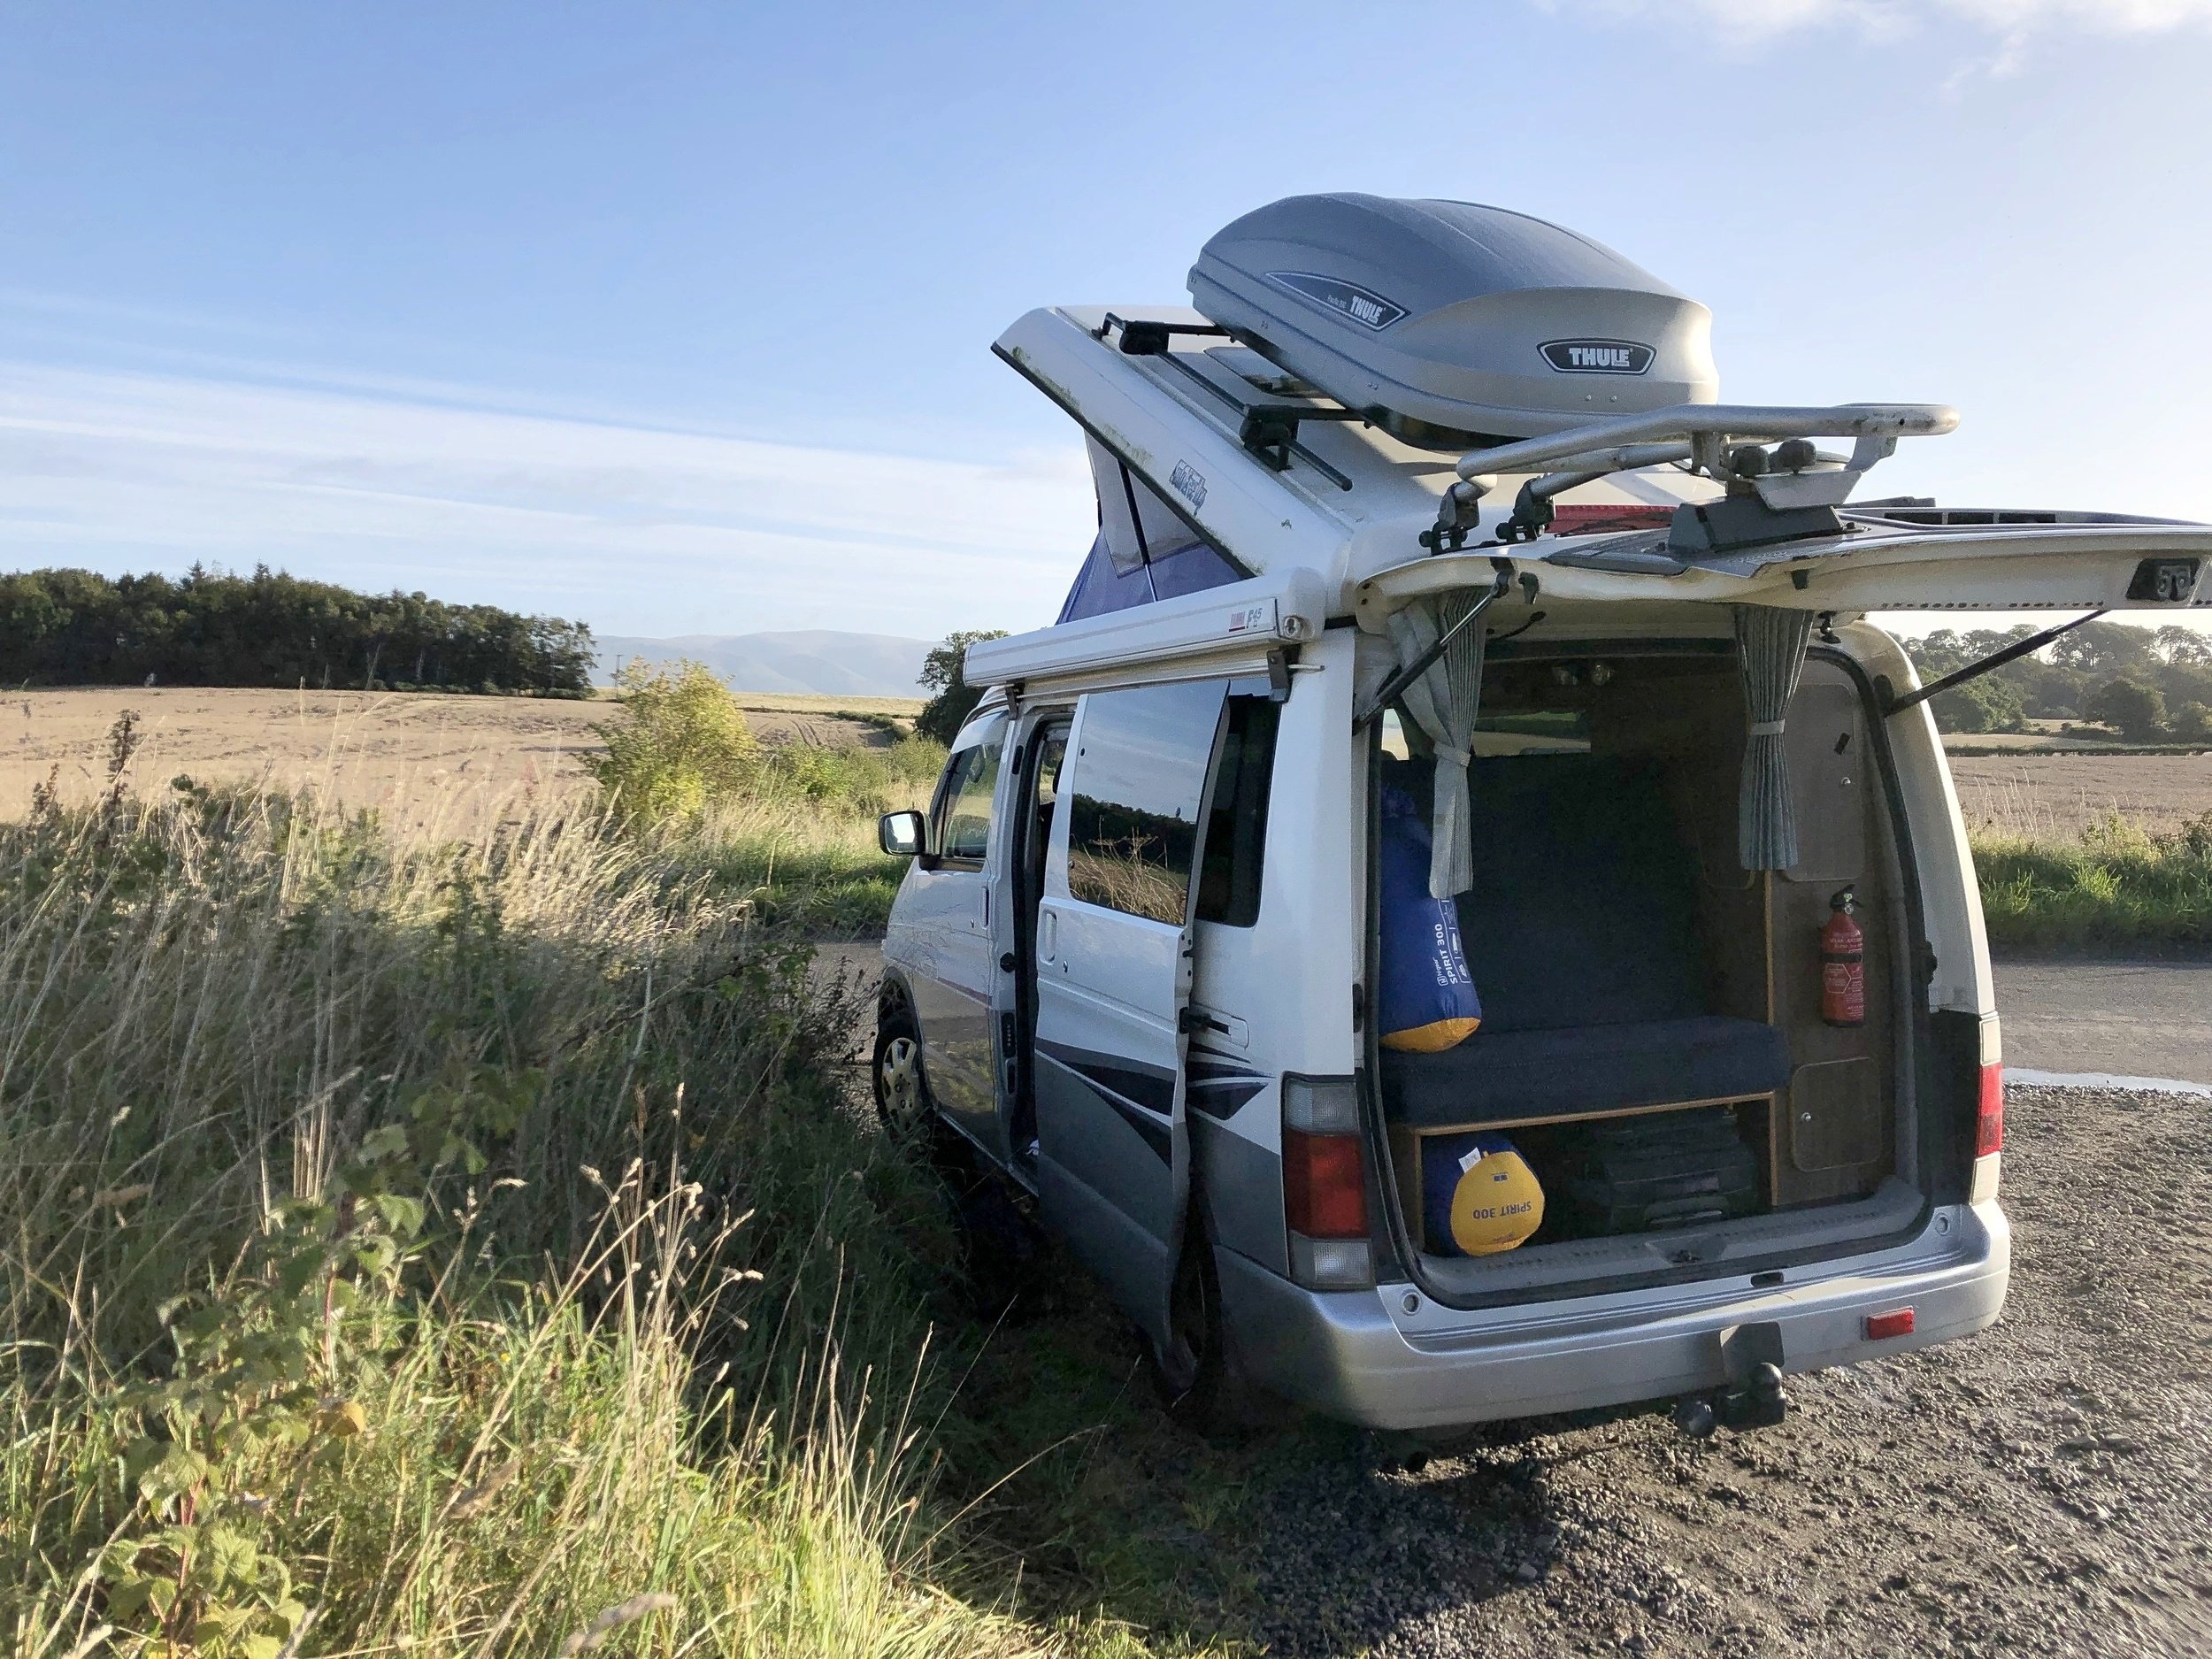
x=1754, y=1398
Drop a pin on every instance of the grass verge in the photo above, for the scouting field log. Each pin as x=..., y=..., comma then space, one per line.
x=457, y=1247
x=793, y=828
x=2116, y=887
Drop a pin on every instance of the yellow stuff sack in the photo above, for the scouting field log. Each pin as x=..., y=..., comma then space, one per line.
x=1479, y=1195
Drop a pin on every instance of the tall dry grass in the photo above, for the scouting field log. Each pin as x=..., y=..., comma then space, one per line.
x=672, y=1407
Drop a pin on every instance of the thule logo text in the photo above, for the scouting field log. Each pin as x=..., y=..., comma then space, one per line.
x=1363, y=306
x=1597, y=357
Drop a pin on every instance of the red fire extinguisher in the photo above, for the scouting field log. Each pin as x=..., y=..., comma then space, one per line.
x=1843, y=965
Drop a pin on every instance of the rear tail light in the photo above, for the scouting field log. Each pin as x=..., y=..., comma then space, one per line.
x=1989, y=1112
x=1324, y=1184
x=1882, y=1326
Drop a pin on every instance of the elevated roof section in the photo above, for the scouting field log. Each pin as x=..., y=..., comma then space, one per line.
x=1336, y=509
x=1352, y=499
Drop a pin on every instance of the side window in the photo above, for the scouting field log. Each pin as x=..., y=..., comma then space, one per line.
x=1236, y=830
x=965, y=798
x=1137, y=786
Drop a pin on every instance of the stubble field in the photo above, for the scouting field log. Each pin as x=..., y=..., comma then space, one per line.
x=389, y=750
x=2046, y=797
x=407, y=754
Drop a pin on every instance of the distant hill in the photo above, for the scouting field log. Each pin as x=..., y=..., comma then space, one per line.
x=818, y=661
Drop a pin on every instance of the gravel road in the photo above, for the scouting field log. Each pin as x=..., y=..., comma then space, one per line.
x=2040, y=1489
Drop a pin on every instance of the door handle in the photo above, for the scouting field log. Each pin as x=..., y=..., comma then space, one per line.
x=1047, y=935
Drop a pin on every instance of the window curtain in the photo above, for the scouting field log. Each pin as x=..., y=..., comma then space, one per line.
x=1443, y=703
x=1771, y=644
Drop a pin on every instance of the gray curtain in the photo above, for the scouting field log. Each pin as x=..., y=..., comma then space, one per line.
x=1443, y=703
x=1772, y=643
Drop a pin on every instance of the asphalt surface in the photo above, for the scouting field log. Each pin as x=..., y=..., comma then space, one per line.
x=2148, y=1020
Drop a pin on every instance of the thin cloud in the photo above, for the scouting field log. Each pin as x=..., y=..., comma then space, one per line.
x=634, y=528
x=2013, y=20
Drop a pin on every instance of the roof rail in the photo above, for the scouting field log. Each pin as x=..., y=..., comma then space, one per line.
x=1719, y=440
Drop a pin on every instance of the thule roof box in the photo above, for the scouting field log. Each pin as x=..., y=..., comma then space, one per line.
x=1452, y=323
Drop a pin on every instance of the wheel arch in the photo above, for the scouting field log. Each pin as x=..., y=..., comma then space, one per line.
x=893, y=996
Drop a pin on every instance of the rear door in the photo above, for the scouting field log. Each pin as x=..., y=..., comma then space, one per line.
x=1967, y=566
x=1114, y=964
x=1919, y=559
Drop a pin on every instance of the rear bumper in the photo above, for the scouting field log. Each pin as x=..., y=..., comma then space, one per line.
x=1363, y=1356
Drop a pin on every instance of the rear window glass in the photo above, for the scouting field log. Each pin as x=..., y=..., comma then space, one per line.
x=1539, y=708
x=1236, y=830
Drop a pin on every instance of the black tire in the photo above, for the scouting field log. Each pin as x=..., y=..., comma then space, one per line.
x=902, y=1090
x=1001, y=1249
x=1199, y=1378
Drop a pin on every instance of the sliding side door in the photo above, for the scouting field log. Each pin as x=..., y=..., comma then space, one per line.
x=1114, y=942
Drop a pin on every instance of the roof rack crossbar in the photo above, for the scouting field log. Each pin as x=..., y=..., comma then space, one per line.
x=1708, y=426
x=1270, y=431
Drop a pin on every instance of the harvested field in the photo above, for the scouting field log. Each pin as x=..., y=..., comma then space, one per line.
x=406, y=753
x=2054, y=796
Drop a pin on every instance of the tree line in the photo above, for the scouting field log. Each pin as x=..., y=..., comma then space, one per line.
x=73, y=627
x=2150, y=686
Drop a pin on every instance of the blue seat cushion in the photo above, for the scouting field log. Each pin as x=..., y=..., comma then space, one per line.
x=1501, y=1074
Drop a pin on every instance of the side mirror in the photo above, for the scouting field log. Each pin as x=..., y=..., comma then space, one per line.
x=902, y=835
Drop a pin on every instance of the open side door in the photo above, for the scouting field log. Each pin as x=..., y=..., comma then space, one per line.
x=1114, y=968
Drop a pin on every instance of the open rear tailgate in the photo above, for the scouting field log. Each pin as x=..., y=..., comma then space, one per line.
x=2059, y=567
x=1872, y=566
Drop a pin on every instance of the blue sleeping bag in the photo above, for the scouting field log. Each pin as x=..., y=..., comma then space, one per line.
x=1426, y=1001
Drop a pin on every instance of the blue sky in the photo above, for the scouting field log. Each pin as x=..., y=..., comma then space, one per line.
x=676, y=319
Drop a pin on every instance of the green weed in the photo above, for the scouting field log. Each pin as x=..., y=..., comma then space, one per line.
x=791, y=829
x=679, y=744
x=2117, y=885
x=482, y=1248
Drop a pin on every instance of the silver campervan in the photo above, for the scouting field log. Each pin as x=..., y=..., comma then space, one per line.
x=1446, y=647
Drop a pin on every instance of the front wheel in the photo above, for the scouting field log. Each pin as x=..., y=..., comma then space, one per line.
x=901, y=1093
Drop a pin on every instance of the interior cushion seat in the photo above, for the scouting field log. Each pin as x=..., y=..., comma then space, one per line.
x=1581, y=933
x=1496, y=1075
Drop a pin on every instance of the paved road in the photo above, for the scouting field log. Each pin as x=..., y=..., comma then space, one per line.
x=2129, y=1018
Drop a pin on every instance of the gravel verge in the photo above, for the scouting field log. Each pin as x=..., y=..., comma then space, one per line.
x=2039, y=1489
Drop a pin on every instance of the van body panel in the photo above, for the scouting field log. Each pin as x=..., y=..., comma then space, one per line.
x=1130, y=406
x=1225, y=631
x=2040, y=567
x=1239, y=1180
x=1950, y=899
x=1345, y=1354
x=941, y=940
